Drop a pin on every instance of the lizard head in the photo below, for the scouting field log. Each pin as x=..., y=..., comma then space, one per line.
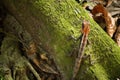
x=85, y=27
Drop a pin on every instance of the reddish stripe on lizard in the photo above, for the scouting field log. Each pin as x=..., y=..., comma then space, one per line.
x=85, y=32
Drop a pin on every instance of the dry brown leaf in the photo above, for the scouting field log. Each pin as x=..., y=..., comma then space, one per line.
x=99, y=11
x=117, y=36
x=43, y=57
x=106, y=3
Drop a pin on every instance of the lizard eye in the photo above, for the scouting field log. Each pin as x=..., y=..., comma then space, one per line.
x=118, y=39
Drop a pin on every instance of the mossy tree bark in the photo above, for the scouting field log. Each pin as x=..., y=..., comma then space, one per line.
x=51, y=23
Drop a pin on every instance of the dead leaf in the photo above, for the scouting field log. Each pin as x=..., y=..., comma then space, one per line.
x=99, y=11
x=117, y=36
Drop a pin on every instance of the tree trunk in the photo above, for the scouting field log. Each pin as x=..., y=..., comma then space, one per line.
x=51, y=24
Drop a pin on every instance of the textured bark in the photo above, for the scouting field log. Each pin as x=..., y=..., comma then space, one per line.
x=51, y=23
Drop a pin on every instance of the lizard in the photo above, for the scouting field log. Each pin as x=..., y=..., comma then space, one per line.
x=85, y=32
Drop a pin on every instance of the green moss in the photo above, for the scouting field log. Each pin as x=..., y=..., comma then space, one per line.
x=100, y=72
x=1, y=76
